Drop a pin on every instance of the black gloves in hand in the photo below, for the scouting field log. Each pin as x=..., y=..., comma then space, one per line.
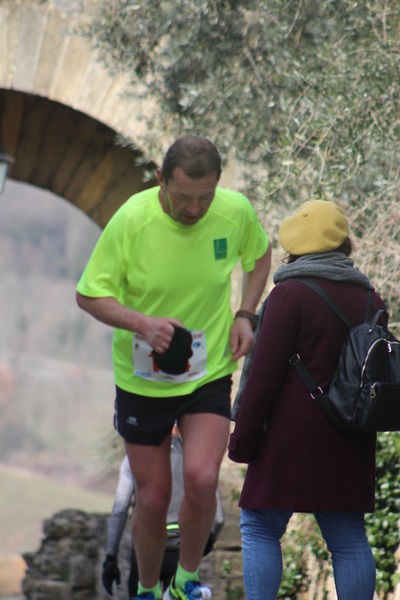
x=209, y=544
x=110, y=573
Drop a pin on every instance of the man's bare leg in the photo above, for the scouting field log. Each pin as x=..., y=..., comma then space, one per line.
x=151, y=469
x=205, y=438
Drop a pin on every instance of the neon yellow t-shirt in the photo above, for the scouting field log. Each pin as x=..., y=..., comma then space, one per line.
x=155, y=265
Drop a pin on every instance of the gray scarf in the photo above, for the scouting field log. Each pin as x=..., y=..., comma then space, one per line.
x=335, y=266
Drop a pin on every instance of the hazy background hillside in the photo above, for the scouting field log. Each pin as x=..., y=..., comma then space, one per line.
x=56, y=385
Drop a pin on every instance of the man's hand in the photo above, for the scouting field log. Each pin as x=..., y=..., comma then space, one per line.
x=110, y=573
x=158, y=332
x=242, y=337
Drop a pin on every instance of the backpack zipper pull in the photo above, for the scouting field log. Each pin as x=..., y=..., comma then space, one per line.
x=389, y=346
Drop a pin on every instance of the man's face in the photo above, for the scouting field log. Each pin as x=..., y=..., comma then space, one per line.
x=184, y=199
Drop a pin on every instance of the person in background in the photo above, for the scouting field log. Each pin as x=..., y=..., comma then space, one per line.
x=160, y=274
x=299, y=460
x=124, y=498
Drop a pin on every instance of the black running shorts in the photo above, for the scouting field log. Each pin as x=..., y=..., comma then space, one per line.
x=148, y=420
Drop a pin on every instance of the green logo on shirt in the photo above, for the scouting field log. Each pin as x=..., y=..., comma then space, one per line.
x=220, y=248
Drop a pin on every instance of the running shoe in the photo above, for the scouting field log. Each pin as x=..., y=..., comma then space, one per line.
x=193, y=590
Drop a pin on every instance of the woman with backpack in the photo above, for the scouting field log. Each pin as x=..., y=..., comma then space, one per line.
x=298, y=459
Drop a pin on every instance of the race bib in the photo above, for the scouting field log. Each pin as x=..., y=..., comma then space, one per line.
x=145, y=367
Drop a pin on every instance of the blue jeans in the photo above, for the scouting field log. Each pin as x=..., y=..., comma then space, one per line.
x=344, y=534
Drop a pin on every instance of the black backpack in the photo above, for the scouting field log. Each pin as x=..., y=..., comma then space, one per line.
x=364, y=393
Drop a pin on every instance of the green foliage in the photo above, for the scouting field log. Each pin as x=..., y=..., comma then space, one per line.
x=383, y=525
x=294, y=576
x=295, y=85
x=231, y=592
x=235, y=495
x=302, y=543
x=234, y=593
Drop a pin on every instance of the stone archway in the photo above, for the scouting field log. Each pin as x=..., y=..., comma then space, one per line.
x=69, y=153
x=61, y=110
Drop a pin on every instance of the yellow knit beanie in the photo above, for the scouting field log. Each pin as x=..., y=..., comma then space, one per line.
x=316, y=226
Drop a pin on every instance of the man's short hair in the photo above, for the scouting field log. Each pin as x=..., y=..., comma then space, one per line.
x=196, y=156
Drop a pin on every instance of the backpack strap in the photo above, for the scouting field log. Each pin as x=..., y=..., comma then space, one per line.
x=379, y=313
x=296, y=361
x=322, y=294
x=314, y=389
x=369, y=310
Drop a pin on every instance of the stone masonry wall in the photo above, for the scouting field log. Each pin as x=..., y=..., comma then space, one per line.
x=67, y=565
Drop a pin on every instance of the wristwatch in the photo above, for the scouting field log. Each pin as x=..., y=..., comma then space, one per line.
x=246, y=314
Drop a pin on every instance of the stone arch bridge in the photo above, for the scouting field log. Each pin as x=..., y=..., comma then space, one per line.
x=61, y=111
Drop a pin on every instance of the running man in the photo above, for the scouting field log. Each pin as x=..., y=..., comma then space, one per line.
x=160, y=274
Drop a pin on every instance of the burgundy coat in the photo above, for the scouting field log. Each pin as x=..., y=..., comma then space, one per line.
x=303, y=462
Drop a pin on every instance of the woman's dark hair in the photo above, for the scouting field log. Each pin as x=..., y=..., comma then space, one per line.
x=346, y=248
x=196, y=156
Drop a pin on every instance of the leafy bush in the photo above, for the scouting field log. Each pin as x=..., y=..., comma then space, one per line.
x=383, y=525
